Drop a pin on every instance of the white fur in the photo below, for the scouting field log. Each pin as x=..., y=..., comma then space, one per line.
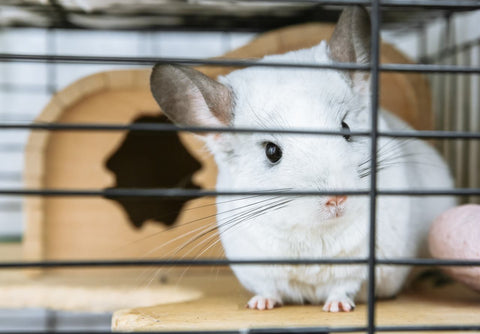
x=305, y=228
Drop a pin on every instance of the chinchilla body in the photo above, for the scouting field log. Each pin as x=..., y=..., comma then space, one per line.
x=279, y=227
x=275, y=226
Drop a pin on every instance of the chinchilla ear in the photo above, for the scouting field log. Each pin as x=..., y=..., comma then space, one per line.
x=189, y=97
x=350, y=41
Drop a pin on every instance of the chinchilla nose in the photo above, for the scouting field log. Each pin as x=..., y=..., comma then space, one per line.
x=335, y=200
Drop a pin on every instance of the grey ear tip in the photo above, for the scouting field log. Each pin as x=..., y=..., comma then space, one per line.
x=153, y=74
x=159, y=70
x=155, y=69
x=356, y=10
x=156, y=82
x=160, y=66
x=358, y=16
x=362, y=11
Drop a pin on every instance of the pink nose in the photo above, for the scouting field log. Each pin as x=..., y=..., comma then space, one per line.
x=335, y=200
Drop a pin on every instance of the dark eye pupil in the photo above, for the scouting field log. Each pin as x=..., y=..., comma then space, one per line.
x=273, y=152
x=345, y=127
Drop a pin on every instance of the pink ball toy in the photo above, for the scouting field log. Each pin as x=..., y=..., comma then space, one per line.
x=455, y=234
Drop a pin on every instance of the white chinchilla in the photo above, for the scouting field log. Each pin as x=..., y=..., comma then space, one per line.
x=276, y=227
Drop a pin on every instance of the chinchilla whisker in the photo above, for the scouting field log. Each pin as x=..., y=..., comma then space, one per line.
x=247, y=218
x=177, y=250
x=234, y=200
x=205, y=230
x=236, y=225
x=411, y=162
x=234, y=220
x=215, y=242
x=170, y=228
x=200, y=228
x=159, y=247
x=392, y=151
x=220, y=223
x=395, y=160
x=257, y=213
x=394, y=156
x=238, y=219
x=197, y=230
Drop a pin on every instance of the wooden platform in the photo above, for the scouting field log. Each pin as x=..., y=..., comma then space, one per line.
x=211, y=298
x=221, y=306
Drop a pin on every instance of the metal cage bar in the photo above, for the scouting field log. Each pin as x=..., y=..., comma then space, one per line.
x=68, y=59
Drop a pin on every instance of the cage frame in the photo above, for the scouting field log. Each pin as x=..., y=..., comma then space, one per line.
x=374, y=68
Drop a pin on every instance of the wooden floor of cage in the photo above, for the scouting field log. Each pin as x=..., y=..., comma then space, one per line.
x=219, y=304
x=212, y=299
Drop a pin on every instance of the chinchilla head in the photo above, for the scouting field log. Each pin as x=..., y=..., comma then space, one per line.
x=283, y=98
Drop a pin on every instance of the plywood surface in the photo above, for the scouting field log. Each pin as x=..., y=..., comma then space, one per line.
x=222, y=307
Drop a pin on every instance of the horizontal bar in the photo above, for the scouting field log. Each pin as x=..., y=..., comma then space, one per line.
x=171, y=262
x=432, y=4
x=68, y=59
x=432, y=192
x=165, y=128
x=11, y=238
x=429, y=328
x=228, y=262
x=306, y=330
x=438, y=4
x=451, y=51
x=193, y=193
x=168, y=192
x=429, y=68
x=427, y=262
x=397, y=328
x=287, y=330
x=431, y=134
x=245, y=130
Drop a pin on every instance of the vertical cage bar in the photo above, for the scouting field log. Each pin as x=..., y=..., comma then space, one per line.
x=454, y=113
x=440, y=110
x=474, y=145
x=466, y=109
x=51, y=46
x=422, y=42
x=448, y=83
x=374, y=77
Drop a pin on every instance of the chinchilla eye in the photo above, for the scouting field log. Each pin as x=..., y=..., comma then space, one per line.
x=273, y=152
x=345, y=127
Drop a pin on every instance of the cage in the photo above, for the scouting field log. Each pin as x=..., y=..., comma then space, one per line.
x=77, y=176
